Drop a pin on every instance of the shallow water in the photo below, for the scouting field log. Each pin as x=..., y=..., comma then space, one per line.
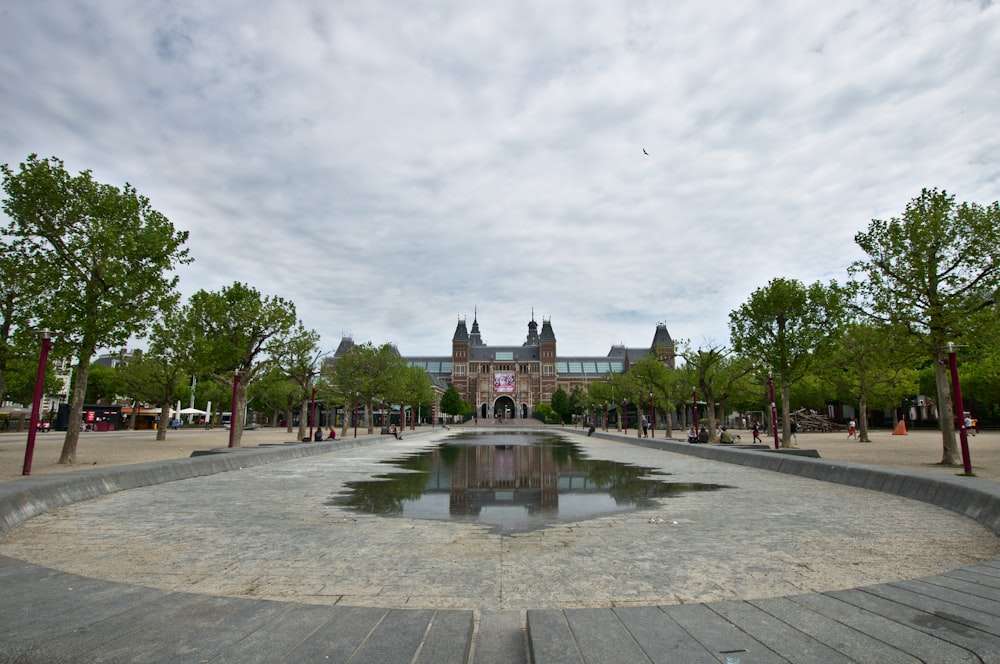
x=512, y=482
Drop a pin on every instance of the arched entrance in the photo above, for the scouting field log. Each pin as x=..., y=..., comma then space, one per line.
x=505, y=408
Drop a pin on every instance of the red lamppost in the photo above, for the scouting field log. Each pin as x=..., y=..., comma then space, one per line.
x=355, y=414
x=652, y=417
x=694, y=407
x=774, y=410
x=232, y=415
x=963, y=434
x=29, y=450
x=312, y=412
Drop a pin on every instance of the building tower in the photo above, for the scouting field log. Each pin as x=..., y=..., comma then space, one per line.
x=460, y=345
x=547, y=360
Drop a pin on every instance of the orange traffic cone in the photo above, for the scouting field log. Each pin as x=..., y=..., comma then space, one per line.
x=900, y=429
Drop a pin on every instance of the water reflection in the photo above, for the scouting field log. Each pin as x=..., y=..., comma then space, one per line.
x=514, y=481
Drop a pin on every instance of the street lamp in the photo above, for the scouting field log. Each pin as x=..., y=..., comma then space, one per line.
x=652, y=417
x=774, y=410
x=312, y=411
x=694, y=407
x=43, y=355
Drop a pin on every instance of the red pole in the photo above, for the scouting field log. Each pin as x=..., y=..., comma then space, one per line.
x=963, y=434
x=652, y=417
x=774, y=411
x=232, y=415
x=29, y=450
x=355, y=414
x=312, y=412
x=605, y=415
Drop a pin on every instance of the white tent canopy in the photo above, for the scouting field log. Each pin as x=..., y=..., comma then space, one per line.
x=193, y=411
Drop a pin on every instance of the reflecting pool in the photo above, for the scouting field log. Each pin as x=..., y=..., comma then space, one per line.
x=512, y=482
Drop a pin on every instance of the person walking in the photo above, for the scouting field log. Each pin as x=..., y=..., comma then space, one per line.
x=795, y=430
x=645, y=427
x=852, y=429
x=756, y=433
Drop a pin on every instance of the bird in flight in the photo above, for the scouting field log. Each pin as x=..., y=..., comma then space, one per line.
x=644, y=152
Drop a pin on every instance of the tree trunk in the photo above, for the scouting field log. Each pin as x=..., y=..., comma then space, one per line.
x=710, y=411
x=946, y=412
x=236, y=419
x=288, y=420
x=303, y=416
x=133, y=416
x=348, y=414
x=786, y=425
x=163, y=419
x=863, y=418
x=68, y=454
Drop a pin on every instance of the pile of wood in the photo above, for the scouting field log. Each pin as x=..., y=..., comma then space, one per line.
x=813, y=422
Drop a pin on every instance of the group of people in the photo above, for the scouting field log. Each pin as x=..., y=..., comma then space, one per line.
x=697, y=435
x=318, y=435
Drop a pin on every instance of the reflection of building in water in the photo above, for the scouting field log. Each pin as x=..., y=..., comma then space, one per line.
x=484, y=475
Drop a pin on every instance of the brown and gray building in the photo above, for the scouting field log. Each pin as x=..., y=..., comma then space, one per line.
x=509, y=381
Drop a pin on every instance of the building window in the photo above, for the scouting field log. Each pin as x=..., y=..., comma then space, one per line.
x=547, y=370
x=459, y=371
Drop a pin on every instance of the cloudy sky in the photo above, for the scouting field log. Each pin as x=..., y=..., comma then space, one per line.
x=392, y=166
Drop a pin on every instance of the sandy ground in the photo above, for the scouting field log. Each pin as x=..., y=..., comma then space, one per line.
x=121, y=448
x=918, y=450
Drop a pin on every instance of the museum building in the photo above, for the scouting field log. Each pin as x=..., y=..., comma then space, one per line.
x=508, y=381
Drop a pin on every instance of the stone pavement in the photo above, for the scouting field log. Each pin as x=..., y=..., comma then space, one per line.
x=593, y=598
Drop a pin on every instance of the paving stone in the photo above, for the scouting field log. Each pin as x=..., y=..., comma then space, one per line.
x=856, y=646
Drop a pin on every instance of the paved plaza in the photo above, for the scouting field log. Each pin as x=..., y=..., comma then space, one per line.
x=272, y=533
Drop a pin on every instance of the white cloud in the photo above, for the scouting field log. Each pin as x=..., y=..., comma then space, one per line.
x=389, y=167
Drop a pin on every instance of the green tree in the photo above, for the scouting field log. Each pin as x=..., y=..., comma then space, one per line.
x=102, y=384
x=107, y=256
x=560, y=405
x=718, y=375
x=451, y=402
x=370, y=373
x=869, y=363
x=274, y=392
x=19, y=291
x=22, y=369
x=933, y=271
x=579, y=402
x=779, y=327
x=232, y=332
x=414, y=388
x=157, y=375
x=297, y=355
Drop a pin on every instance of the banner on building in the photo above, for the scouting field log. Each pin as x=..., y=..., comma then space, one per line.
x=503, y=382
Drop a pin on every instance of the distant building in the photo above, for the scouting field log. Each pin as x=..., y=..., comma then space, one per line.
x=509, y=381
x=114, y=360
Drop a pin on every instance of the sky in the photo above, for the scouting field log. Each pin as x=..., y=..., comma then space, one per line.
x=392, y=167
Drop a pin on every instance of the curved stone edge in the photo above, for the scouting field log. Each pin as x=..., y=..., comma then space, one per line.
x=25, y=498
x=973, y=497
x=949, y=617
